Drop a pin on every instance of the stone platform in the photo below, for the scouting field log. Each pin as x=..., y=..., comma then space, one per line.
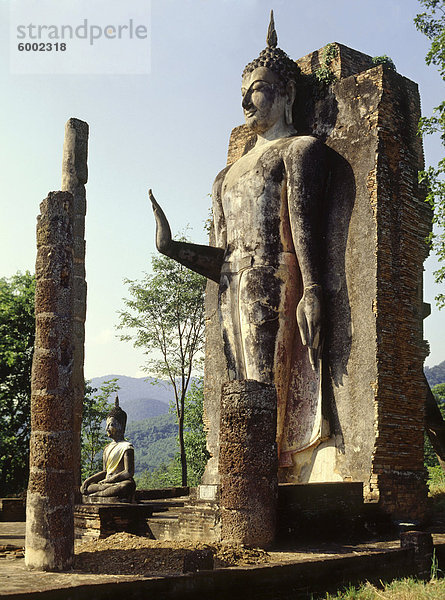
x=306, y=513
x=163, y=519
x=321, y=511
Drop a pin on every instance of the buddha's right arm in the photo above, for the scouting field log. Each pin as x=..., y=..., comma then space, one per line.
x=92, y=479
x=205, y=260
x=96, y=477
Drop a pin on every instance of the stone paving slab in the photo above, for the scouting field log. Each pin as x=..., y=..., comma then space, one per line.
x=308, y=564
x=288, y=579
x=18, y=581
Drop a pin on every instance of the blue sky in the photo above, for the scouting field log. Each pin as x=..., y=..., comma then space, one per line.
x=168, y=129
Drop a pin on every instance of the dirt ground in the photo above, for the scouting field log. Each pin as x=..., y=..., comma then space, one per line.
x=124, y=553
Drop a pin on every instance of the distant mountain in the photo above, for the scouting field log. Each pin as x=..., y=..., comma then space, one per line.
x=436, y=374
x=139, y=397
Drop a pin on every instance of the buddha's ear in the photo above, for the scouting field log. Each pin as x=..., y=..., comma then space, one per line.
x=291, y=92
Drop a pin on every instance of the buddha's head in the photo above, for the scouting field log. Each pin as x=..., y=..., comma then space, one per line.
x=269, y=86
x=116, y=421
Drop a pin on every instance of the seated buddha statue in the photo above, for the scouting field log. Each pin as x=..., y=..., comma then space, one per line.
x=116, y=478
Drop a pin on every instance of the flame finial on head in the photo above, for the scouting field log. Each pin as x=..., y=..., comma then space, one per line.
x=272, y=38
x=274, y=58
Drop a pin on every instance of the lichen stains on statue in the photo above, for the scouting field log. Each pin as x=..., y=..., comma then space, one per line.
x=267, y=215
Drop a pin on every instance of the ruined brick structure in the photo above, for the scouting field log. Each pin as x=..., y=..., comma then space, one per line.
x=375, y=229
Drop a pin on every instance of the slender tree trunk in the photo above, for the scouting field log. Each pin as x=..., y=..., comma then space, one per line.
x=4, y=475
x=181, y=445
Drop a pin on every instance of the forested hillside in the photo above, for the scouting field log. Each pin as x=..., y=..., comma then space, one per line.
x=154, y=440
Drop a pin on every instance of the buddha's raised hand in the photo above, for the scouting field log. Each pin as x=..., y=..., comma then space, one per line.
x=163, y=231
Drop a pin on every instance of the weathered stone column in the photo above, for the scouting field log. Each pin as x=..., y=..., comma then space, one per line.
x=50, y=500
x=74, y=178
x=248, y=463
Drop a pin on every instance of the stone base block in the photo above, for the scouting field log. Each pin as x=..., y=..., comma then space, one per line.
x=101, y=520
x=320, y=511
x=422, y=543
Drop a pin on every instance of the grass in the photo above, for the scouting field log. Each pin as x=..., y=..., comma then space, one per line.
x=436, y=480
x=403, y=589
x=436, y=483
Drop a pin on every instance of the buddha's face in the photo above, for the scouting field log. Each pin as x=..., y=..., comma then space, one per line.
x=263, y=99
x=114, y=428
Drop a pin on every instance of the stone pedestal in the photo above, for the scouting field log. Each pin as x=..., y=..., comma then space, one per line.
x=422, y=544
x=100, y=520
x=248, y=463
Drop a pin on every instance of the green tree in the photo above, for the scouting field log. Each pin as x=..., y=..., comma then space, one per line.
x=431, y=23
x=17, y=326
x=194, y=436
x=96, y=406
x=164, y=476
x=168, y=475
x=166, y=314
x=430, y=455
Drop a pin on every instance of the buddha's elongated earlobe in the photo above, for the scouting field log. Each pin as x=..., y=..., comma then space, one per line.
x=288, y=114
